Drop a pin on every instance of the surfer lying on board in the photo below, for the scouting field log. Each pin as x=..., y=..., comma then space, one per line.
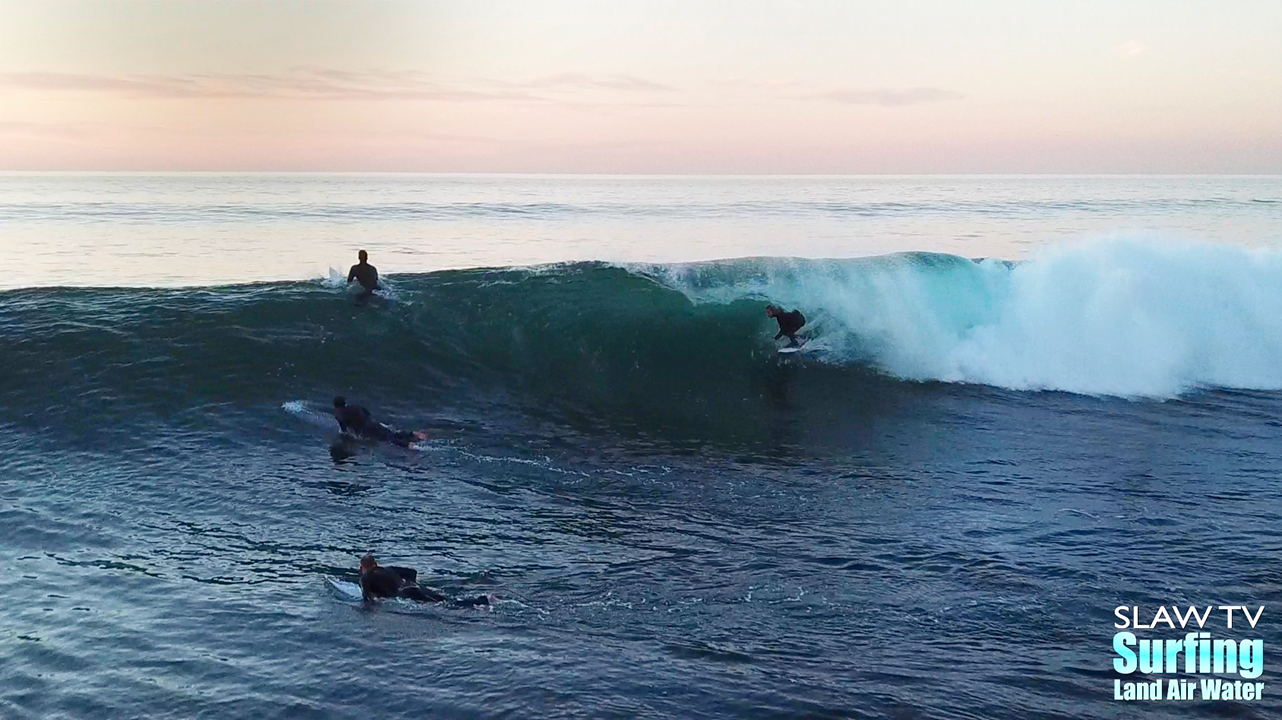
x=391, y=582
x=789, y=323
x=356, y=420
x=365, y=274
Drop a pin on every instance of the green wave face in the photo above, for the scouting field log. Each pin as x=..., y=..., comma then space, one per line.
x=589, y=347
x=678, y=353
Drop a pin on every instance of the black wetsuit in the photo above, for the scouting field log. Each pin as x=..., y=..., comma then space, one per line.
x=356, y=420
x=366, y=275
x=789, y=324
x=388, y=582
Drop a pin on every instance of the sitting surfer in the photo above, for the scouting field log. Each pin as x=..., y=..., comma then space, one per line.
x=365, y=274
x=379, y=582
x=789, y=323
x=355, y=420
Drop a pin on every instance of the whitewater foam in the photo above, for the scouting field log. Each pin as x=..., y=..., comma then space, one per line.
x=301, y=410
x=1128, y=317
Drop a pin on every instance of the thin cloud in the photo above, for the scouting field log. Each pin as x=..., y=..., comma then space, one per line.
x=626, y=83
x=60, y=131
x=133, y=85
x=326, y=84
x=1131, y=49
x=892, y=98
x=303, y=84
x=755, y=85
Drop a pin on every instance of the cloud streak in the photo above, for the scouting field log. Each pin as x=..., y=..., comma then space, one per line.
x=582, y=81
x=327, y=84
x=72, y=82
x=1131, y=49
x=60, y=131
x=891, y=98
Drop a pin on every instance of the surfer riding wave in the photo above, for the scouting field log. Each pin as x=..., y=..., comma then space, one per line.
x=789, y=324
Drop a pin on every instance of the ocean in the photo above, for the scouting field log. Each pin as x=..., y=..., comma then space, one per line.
x=1025, y=402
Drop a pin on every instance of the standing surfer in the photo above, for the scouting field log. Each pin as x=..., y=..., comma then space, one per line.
x=789, y=323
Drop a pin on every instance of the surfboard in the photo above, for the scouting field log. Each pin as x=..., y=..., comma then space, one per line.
x=349, y=591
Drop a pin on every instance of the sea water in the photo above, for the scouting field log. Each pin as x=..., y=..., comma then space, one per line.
x=1028, y=400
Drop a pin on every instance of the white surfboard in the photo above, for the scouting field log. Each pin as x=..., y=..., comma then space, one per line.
x=335, y=279
x=349, y=591
x=790, y=349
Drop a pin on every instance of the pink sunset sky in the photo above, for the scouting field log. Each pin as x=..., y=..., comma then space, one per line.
x=548, y=86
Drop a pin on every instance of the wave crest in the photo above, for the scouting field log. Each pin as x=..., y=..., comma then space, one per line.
x=1122, y=317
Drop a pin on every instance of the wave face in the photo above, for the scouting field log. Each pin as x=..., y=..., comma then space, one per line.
x=583, y=344
x=657, y=350
x=1128, y=318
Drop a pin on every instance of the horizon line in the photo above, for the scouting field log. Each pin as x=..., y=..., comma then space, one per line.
x=415, y=173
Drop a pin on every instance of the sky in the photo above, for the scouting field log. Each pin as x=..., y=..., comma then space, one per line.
x=654, y=87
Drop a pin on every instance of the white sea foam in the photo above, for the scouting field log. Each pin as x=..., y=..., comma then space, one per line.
x=1126, y=317
x=300, y=409
x=334, y=279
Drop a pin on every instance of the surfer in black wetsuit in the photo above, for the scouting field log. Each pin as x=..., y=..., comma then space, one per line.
x=356, y=420
x=390, y=582
x=365, y=274
x=789, y=323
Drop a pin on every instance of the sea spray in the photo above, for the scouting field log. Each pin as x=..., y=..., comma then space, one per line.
x=1123, y=317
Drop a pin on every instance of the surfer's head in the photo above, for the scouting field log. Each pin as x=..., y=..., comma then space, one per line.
x=339, y=402
x=368, y=562
x=362, y=256
x=771, y=311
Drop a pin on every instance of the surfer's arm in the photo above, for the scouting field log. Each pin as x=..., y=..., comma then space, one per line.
x=779, y=334
x=351, y=274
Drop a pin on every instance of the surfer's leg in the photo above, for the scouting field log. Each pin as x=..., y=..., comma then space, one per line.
x=414, y=592
x=342, y=448
x=378, y=431
x=792, y=341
